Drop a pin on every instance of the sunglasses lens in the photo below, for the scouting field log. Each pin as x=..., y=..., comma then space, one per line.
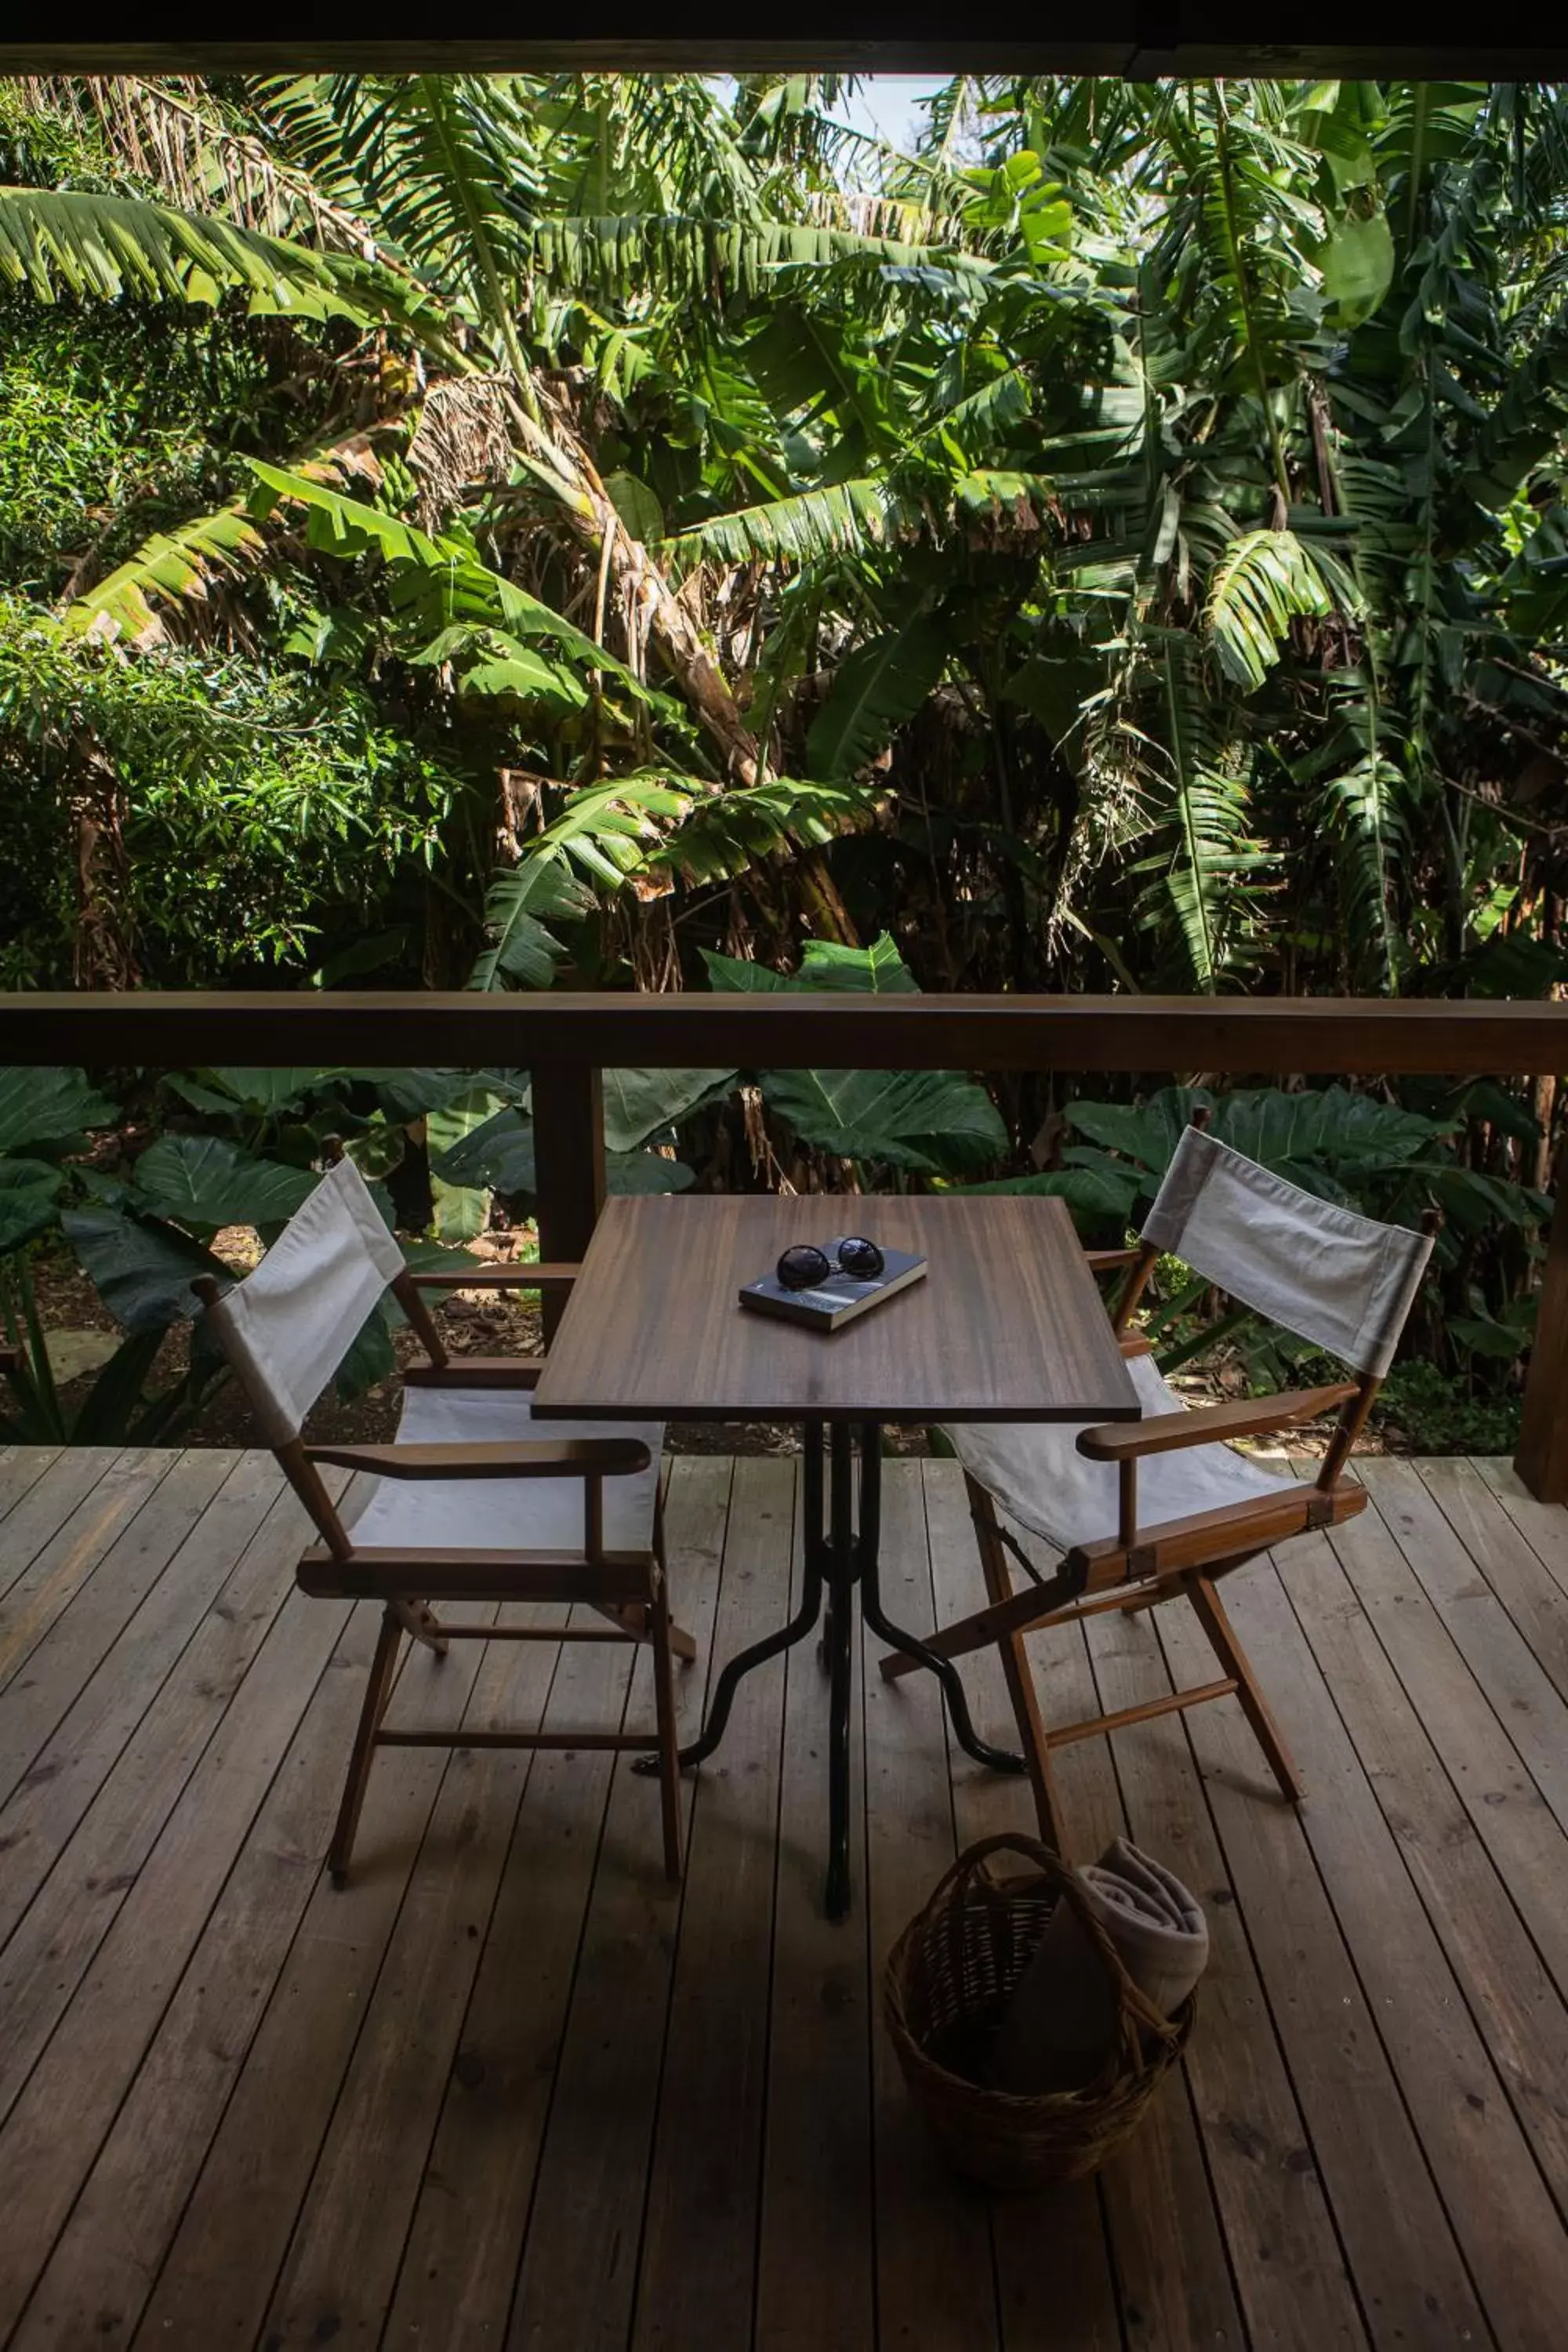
x=799, y=1267
x=860, y=1257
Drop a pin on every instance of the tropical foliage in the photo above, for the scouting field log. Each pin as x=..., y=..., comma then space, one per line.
x=494, y=530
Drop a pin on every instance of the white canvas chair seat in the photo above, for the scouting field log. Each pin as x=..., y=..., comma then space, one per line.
x=1034, y=1470
x=496, y=1513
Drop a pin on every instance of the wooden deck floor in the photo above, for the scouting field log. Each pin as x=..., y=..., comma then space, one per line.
x=508, y=2091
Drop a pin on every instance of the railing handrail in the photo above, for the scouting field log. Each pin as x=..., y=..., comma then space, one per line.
x=567, y=1040
x=271, y=1029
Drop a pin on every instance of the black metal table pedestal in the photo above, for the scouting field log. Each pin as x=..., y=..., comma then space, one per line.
x=836, y=1558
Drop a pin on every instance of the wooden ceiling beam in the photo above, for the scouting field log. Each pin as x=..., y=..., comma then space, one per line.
x=1139, y=38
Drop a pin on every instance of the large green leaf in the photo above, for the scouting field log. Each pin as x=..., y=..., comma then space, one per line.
x=462, y=1211
x=932, y=1121
x=207, y=1182
x=875, y=690
x=1358, y=267
x=262, y=1093
x=876, y=970
x=1328, y=1140
x=500, y=1155
x=1264, y=580
x=691, y=255
x=142, y=1268
x=496, y=1156
x=58, y=240
x=170, y=565
x=51, y=1110
x=737, y=974
x=1095, y=1196
x=640, y=1103
x=408, y=1094
x=645, y=1172
x=29, y=1189
x=521, y=902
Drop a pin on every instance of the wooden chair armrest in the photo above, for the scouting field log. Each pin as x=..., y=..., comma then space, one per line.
x=1104, y=1261
x=1163, y=1433
x=475, y=1372
x=501, y=1277
x=570, y=1457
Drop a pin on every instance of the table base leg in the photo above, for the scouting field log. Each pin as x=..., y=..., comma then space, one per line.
x=836, y=1558
x=898, y=1637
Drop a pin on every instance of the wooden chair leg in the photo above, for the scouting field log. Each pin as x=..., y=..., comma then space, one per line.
x=420, y=1621
x=1018, y=1673
x=1239, y=1665
x=1019, y=1613
x=635, y=1618
x=669, y=1739
x=681, y=1643
x=379, y=1690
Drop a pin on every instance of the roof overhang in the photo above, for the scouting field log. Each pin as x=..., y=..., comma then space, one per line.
x=1143, y=38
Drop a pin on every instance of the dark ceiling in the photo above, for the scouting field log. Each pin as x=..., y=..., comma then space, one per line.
x=1143, y=37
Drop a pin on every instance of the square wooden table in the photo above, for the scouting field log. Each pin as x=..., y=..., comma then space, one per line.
x=1007, y=1325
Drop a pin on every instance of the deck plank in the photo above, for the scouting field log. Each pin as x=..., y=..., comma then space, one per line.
x=1496, y=1754
x=1289, y=2263
x=454, y=2283
x=1168, y=2250
x=1055, y=2278
x=1408, y=2271
x=76, y=1644
x=343, y=2262
x=21, y=1467
x=96, y=2281
x=1457, y=1986
x=37, y=1504
x=507, y=2089
x=817, y=2164
x=1544, y=1525
x=57, y=1913
x=59, y=2123
x=1499, y=1964
x=44, y=1810
x=697, y=2270
x=1490, y=2187
x=1520, y=1579
x=51, y=1579
x=577, y=2282
x=1461, y=1589
x=935, y=2278
x=219, y=2270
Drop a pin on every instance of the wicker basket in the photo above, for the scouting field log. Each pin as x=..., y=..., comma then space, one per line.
x=948, y=1980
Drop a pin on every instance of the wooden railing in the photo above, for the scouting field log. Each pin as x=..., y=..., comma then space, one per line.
x=566, y=1040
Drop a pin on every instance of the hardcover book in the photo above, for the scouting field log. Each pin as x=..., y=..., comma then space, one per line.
x=837, y=1300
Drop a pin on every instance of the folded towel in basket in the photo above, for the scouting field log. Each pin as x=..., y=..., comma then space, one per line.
x=1060, y=2025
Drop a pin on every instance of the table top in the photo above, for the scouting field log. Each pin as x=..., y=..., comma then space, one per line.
x=1007, y=1325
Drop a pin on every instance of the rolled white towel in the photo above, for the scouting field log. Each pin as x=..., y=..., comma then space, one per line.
x=1060, y=2025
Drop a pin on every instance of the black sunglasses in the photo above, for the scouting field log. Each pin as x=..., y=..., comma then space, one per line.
x=804, y=1266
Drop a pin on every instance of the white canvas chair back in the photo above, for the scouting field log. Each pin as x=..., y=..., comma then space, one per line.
x=288, y=1326
x=1335, y=1279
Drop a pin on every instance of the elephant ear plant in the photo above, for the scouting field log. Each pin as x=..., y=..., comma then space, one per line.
x=237, y=1148
x=142, y=1265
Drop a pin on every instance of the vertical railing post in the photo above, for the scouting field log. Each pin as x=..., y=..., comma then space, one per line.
x=569, y=1162
x=1542, y=1457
